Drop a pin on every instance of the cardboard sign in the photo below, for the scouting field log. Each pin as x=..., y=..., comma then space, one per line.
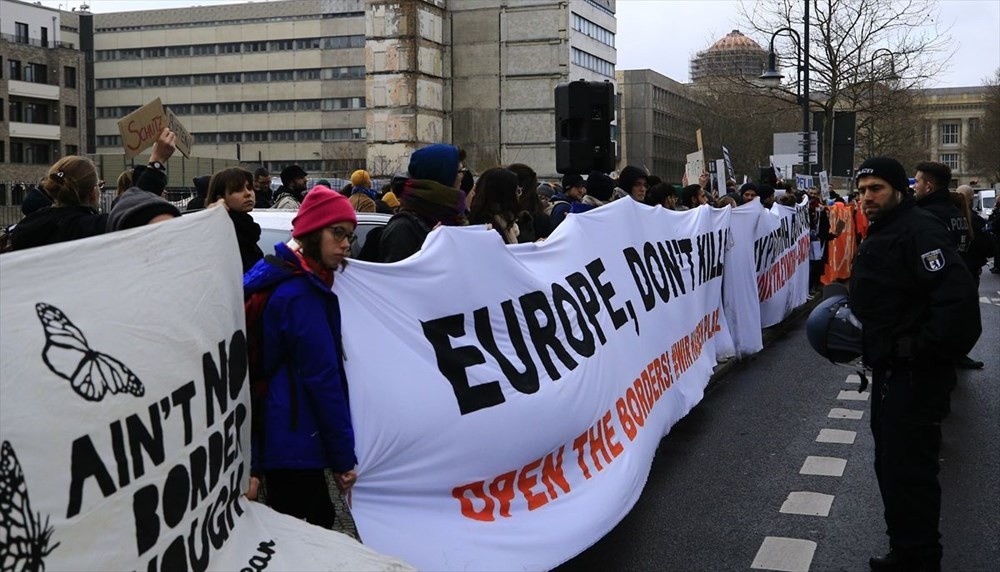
x=824, y=184
x=141, y=128
x=695, y=166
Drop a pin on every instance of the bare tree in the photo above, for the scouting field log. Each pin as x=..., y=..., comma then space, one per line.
x=983, y=149
x=853, y=45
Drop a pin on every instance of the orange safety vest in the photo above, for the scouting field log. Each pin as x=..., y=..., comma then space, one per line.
x=841, y=249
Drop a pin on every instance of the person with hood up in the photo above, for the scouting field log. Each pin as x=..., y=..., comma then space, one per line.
x=633, y=180
x=200, y=192
x=74, y=185
x=428, y=197
x=302, y=422
x=233, y=187
x=37, y=198
x=292, y=190
x=362, y=196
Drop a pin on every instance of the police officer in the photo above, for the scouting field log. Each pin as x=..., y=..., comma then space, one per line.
x=931, y=191
x=919, y=310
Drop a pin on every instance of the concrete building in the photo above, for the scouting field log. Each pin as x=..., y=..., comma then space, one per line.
x=658, y=119
x=506, y=59
x=951, y=114
x=42, y=96
x=275, y=82
x=734, y=56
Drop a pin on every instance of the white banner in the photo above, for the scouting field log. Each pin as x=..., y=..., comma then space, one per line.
x=508, y=401
x=781, y=255
x=124, y=416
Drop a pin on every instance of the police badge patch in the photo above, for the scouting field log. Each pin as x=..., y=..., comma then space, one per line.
x=933, y=260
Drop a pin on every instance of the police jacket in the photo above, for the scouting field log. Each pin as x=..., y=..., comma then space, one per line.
x=939, y=204
x=915, y=298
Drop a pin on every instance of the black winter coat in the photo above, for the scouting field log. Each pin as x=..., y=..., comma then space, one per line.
x=52, y=225
x=912, y=292
x=247, y=235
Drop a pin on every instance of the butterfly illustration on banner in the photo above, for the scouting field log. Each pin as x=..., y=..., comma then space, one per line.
x=91, y=373
x=24, y=538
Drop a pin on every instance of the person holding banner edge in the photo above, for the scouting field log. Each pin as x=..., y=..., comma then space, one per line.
x=919, y=310
x=302, y=422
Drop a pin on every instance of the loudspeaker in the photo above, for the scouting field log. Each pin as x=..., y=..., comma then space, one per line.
x=584, y=112
x=768, y=176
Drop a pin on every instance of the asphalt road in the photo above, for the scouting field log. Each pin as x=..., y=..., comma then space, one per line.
x=720, y=479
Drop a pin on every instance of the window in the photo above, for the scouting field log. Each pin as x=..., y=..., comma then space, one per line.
x=69, y=115
x=593, y=63
x=950, y=134
x=346, y=134
x=155, y=52
x=15, y=72
x=231, y=137
x=127, y=82
x=130, y=54
x=204, y=79
x=1, y=109
x=179, y=80
x=592, y=30
x=16, y=152
x=72, y=150
x=203, y=50
x=282, y=75
x=255, y=47
x=36, y=73
x=230, y=108
x=283, y=105
x=181, y=109
x=282, y=136
x=2, y=159
x=36, y=113
x=308, y=105
x=308, y=74
x=307, y=44
x=309, y=134
x=340, y=42
x=69, y=77
x=973, y=124
x=233, y=48
x=154, y=81
x=45, y=36
x=256, y=107
x=179, y=51
x=950, y=159
x=204, y=137
x=16, y=111
x=20, y=36
x=344, y=72
x=230, y=77
x=253, y=77
x=255, y=136
x=281, y=45
x=204, y=108
x=109, y=140
x=1, y=67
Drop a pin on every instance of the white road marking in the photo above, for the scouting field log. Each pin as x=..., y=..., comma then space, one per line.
x=838, y=413
x=787, y=554
x=852, y=395
x=836, y=436
x=985, y=300
x=811, y=504
x=823, y=466
x=853, y=378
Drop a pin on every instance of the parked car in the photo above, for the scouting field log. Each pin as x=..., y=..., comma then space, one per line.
x=276, y=226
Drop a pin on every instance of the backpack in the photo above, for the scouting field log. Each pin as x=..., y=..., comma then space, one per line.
x=253, y=306
x=552, y=206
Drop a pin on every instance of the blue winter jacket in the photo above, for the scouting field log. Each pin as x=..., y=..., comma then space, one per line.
x=306, y=419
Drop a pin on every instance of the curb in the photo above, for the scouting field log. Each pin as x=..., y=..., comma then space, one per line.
x=769, y=336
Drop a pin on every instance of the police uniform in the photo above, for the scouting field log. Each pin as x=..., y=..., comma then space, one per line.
x=919, y=310
x=938, y=203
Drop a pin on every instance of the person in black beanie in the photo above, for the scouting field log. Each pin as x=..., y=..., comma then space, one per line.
x=633, y=180
x=919, y=311
x=600, y=187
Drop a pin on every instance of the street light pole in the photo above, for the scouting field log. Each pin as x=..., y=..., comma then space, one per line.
x=772, y=76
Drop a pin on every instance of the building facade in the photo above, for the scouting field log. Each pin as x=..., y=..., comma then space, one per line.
x=658, y=119
x=950, y=115
x=42, y=93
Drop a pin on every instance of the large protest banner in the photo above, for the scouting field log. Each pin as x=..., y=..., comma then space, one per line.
x=781, y=255
x=508, y=401
x=124, y=412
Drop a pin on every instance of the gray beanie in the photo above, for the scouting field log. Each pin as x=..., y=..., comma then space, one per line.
x=137, y=207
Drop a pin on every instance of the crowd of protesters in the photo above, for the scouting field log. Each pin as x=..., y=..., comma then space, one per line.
x=305, y=424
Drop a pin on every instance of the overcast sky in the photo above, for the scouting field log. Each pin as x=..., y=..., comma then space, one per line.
x=663, y=34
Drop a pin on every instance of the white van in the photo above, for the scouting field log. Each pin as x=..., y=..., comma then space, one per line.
x=984, y=201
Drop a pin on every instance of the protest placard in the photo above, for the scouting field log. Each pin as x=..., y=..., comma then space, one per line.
x=141, y=128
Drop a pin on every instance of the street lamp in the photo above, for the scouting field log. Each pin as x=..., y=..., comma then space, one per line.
x=892, y=64
x=772, y=78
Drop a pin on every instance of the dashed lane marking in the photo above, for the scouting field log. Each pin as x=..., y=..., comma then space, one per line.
x=836, y=436
x=852, y=395
x=787, y=554
x=838, y=413
x=823, y=466
x=810, y=504
x=854, y=378
x=991, y=300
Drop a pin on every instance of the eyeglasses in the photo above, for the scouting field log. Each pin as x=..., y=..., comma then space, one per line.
x=340, y=234
x=100, y=185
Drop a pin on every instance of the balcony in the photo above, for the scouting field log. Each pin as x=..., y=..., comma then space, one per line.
x=35, y=42
x=34, y=131
x=35, y=90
